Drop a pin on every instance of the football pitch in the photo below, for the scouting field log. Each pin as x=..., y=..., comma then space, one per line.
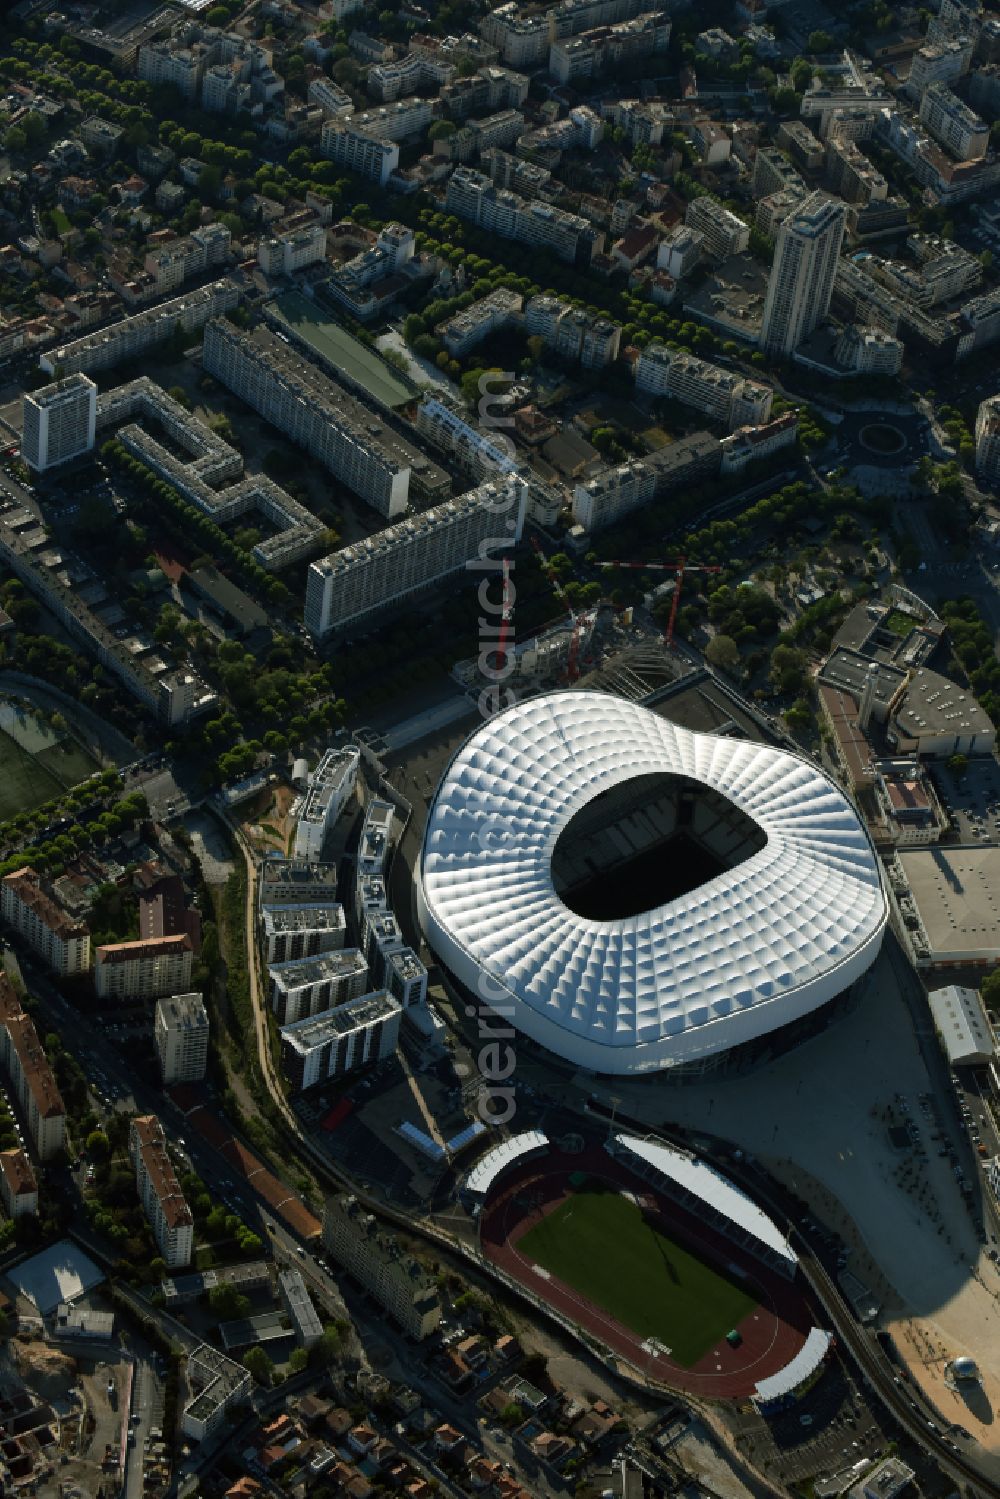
x=598, y=1244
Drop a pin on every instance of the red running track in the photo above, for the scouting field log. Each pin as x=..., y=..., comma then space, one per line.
x=772, y=1333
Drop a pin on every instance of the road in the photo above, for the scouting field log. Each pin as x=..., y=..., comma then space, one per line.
x=147, y=1410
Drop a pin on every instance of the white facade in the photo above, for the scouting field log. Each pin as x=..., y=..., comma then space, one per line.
x=132, y=336
x=961, y=1021
x=180, y=1030
x=358, y=150
x=146, y=969
x=291, y=932
x=720, y=393
x=377, y=1259
x=724, y=233
x=282, y=254
x=940, y=62
x=988, y=440
x=219, y=1383
x=334, y=1042
x=63, y=944
x=354, y=585
x=869, y=351
x=331, y=785
x=953, y=123
x=301, y=988
x=18, y=1187
x=800, y=285
x=59, y=422
x=762, y=944
x=163, y=1201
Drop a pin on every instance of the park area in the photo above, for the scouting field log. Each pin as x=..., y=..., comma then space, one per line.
x=600, y=1244
x=38, y=760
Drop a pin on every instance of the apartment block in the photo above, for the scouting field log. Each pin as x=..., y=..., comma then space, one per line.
x=405, y=977
x=680, y=251
x=405, y=120
x=378, y=1261
x=63, y=944
x=309, y=986
x=335, y=1042
x=939, y=62
x=290, y=933
x=388, y=81
x=774, y=173
x=572, y=333
x=297, y=883
x=988, y=440
x=520, y=40
x=491, y=314
x=724, y=233
x=357, y=446
x=490, y=89
x=852, y=176
x=471, y=195
x=58, y=422
x=164, y=1203
x=219, y=1384
x=481, y=454
x=591, y=53
x=352, y=586
x=800, y=284
x=868, y=351
x=369, y=155
x=18, y=1187
x=617, y=491
x=134, y=336
x=149, y=969
x=180, y=1031
x=959, y=129
x=283, y=254
x=335, y=102
x=331, y=786
x=32, y=1083
x=298, y=1304
x=189, y=255
x=718, y=392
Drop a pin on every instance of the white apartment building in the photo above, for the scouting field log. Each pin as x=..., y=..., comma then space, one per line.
x=572, y=333
x=471, y=195
x=591, y=53
x=164, y=1203
x=403, y=121
x=939, y=62
x=354, y=585
x=376, y=1259
x=520, y=40
x=180, y=1031
x=335, y=1042
x=680, y=252
x=146, y=969
x=58, y=422
x=851, y=174
x=800, y=285
x=335, y=102
x=369, y=155
x=491, y=314
x=331, y=786
x=774, y=173
x=481, y=454
x=616, y=491
x=357, y=446
x=32, y=1083
x=63, y=944
x=405, y=977
x=289, y=933
x=750, y=444
x=309, y=986
x=959, y=129
x=988, y=440
x=18, y=1187
x=718, y=392
x=132, y=336
x=868, y=351
x=282, y=254
x=389, y=81
x=294, y=883
x=189, y=255
x=724, y=233
x=219, y=1384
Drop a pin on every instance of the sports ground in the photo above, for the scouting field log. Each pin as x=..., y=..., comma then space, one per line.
x=629, y=1267
x=602, y=1245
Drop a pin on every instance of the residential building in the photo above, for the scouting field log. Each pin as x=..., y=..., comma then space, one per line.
x=405, y=977
x=752, y=444
x=303, y=987
x=131, y=337
x=718, y=392
x=799, y=141
x=380, y=1263
x=489, y=89
x=617, y=491
x=851, y=174
x=335, y=102
x=352, y=586
x=369, y=155
x=471, y=195
x=868, y=351
x=482, y=454
x=18, y=1187
x=32, y=1083
x=298, y=1304
x=219, y=1384
x=591, y=53
x=164, y=1203
x=800, y=285
x=296, y=883
x=987, y=441
x=63, y=944
x=331, y=1044
x=282, y=254
x=953, y=123
x=572, y=333
x=939, y=62
x=59, y=422
x=290, y=933
x=774, y=173
x=388, y=81
x=886, y=1480
x=772, y=211
x=493, y=313
x=375, y=841
x=140, y=970
x=180, y=1031
x=680, y=252
x=357, y=445
x=331, y=786
x=520, y=40
x=724, y=233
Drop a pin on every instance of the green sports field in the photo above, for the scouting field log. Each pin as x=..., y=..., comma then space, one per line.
x=599, y=1245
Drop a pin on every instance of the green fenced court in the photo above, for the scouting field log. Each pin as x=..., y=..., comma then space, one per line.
x=599, y=1244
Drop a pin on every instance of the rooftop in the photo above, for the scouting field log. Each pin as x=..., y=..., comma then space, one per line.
x=301, y=972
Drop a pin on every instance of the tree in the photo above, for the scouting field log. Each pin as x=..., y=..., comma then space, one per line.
x=958, y=764
x=990, y=990
x=228, y=1304
x=820, y=41
x=98, y=1146
x=441, y=129
x=722, y=651
x=256, y=1361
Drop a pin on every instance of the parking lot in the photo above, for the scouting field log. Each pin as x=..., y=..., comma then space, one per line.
x=971, y=799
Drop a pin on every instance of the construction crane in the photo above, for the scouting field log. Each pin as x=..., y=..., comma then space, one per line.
x=678, y=568
x=572, y=668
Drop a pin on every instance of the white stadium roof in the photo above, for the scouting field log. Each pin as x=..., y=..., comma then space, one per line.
x=748, y=951
x=805, y=1363
x=701, y=1179
x=489, y=1166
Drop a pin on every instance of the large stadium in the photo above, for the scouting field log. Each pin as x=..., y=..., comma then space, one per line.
x=633, y=896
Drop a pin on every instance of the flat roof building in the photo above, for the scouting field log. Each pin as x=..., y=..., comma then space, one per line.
x=296, y=882
x=953, y=897
x=219, y=1383
x=293, y=933
x=59, y=422
x=132, y=336
x=382, y=1265
x=335, y=1042
x=331, y=785
x=298, y=1304
x=963, y=1025
x=180, y=1031
x=164, y=1203
x=309, y=986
